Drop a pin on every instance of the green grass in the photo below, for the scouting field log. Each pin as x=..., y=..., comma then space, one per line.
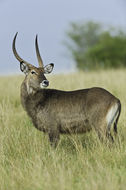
x=27, y=162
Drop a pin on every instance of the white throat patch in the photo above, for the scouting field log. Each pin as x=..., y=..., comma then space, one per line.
x=29, y=89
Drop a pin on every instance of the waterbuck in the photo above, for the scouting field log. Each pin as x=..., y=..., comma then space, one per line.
x=58, y=112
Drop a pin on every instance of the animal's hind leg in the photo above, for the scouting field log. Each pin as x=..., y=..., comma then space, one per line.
x=102, y=131
x=109, y=135
x=101, y=136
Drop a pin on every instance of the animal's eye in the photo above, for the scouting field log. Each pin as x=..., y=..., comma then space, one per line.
x=33, y=72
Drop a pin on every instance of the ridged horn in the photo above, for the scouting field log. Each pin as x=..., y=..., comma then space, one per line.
x=40, y=61
x=15, y=51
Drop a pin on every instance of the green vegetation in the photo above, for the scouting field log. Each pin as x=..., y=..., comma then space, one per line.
x=94, y=47
x=27, y=162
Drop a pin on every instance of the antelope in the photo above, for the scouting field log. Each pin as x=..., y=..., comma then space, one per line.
x=58, y=112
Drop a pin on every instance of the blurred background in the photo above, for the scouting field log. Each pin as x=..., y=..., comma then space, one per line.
x=73, y=34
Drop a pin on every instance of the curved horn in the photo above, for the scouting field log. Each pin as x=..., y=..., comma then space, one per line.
x=15, y=52
x=38, y=53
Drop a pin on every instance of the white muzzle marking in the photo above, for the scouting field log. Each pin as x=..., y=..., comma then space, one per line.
x=44, y=84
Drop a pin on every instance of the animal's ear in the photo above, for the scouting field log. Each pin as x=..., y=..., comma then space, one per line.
x=48, y=68
x=24, y=68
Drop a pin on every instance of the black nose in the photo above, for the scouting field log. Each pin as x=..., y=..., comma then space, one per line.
x=45, y=82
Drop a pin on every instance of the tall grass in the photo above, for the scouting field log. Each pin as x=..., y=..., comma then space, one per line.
x=27, y=162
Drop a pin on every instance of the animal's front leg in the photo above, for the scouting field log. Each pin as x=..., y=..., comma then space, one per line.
x=54, y=137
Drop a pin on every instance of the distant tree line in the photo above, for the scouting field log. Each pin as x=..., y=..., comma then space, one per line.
x=93, y=46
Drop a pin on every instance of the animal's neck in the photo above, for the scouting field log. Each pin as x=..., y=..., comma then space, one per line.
x=31, y=100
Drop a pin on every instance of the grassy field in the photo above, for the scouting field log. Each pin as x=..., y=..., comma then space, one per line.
x=80, y=162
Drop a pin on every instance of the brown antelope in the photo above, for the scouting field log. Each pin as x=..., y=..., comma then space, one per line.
x=56, y=112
